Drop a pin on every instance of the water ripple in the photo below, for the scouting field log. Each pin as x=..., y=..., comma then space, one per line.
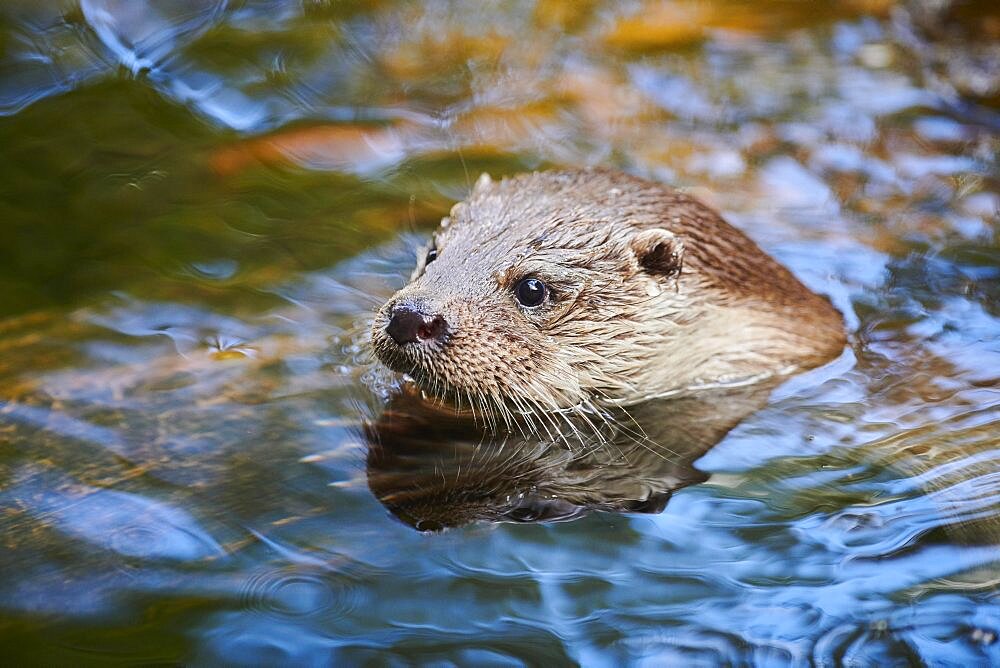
x=128, y=524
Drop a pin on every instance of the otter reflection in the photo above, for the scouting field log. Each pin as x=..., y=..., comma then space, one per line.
x=434, y=468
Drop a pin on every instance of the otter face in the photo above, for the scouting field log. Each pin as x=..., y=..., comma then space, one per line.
x=525, y=302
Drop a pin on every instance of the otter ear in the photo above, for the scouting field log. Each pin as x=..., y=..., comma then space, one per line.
x=658, y=252
x=483, y=182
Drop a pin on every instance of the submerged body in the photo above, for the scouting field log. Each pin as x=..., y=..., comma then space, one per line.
x=574, y=289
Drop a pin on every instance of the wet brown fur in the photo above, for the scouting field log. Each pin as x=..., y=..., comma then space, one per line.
x=653, y=293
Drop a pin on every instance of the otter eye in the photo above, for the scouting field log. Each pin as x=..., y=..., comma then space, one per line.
x=431, y=256
x=530, y=292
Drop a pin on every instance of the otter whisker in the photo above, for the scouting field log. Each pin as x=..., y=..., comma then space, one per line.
x=552, y=412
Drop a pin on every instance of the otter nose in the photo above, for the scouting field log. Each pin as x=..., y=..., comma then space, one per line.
x=407, y=325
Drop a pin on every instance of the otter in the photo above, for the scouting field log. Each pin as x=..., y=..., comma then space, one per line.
x=586, y=289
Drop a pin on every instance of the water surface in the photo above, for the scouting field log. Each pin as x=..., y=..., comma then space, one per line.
x=202, y=202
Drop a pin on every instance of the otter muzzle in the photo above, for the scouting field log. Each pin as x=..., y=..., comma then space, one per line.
x=407, y=325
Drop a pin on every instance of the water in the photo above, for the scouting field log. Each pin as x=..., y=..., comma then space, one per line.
x=202, y=202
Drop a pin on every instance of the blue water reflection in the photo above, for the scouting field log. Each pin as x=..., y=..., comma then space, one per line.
x=205, y=200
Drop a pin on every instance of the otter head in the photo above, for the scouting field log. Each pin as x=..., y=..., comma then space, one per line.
x=564, y=289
